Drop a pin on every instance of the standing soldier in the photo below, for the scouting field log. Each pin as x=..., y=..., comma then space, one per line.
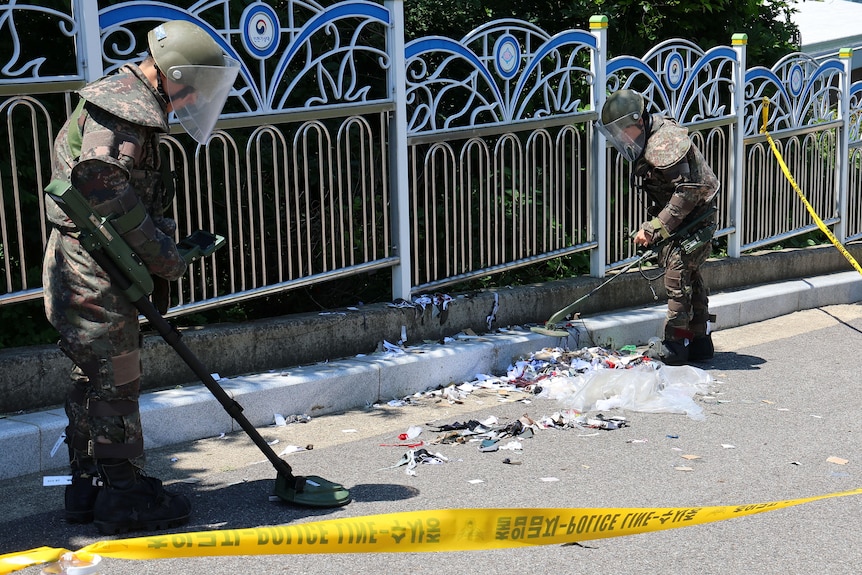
x=680, y=187
x=109, y=152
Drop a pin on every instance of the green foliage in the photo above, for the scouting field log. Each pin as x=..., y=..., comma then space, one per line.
x=635, y=26
x=25, y=324
x=812, y=238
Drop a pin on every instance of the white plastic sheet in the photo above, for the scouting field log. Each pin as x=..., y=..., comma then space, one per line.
x=651, y=388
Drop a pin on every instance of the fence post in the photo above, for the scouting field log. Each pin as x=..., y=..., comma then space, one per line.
x=89, y=55
x=737, y=143
x=598, y=151
x=842, y=161
x=398, y=175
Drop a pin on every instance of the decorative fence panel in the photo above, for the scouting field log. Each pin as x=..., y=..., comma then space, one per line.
x=341, y=150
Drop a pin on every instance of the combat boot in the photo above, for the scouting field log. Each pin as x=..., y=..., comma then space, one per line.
x=80, y=495
x=132, y=501
x=668, y=351
x=701, y=348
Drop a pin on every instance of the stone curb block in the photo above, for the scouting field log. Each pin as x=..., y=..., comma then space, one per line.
x=191, y=412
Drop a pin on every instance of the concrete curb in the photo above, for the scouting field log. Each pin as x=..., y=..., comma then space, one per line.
x=29, y=443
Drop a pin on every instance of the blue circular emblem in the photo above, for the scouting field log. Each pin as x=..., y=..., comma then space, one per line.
x=507, y=56
x=796, y=80
x=674, y=70
x=260, y=31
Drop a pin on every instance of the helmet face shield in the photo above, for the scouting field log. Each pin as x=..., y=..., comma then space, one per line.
x=198, y=93
x=626, y=134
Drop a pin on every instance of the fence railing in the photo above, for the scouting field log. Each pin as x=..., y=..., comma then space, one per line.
x=343, y=150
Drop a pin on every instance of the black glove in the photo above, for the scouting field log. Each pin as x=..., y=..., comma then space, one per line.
x=161, y=294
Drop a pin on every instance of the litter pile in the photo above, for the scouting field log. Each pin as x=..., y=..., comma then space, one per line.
x=583, y=381
x=596, y=379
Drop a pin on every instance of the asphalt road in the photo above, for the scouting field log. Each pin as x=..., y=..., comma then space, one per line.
x=786, y=400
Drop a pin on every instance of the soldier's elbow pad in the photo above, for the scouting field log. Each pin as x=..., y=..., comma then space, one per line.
x=158, y=251
x=696, y=193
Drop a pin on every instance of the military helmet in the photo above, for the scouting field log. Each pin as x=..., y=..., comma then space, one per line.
x=622, y=123
x=180, y=43
x=198, y=74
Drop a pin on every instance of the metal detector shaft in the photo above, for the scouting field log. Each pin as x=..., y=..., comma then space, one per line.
x=681, y=233
x=174, y=339
x=571, y=307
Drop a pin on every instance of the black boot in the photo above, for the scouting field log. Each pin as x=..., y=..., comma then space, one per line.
x=131, y=501
x=668, y=351
x=701, y=348
x=80, y=497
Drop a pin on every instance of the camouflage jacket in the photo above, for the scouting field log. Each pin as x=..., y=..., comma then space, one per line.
x=675, y=177
x=118, y=167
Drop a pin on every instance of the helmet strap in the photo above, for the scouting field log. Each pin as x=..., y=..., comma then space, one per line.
x=160, y=88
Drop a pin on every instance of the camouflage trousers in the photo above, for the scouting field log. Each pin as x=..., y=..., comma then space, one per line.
x=687, y=296
x=99, y=332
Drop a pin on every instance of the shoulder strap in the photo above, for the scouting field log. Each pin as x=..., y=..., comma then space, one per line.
x=74, y=136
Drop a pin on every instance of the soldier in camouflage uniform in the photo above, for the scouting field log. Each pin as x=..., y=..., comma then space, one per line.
x=109, y=151
x=680, y=186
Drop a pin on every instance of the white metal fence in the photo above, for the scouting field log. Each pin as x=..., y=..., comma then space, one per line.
x=342, y=150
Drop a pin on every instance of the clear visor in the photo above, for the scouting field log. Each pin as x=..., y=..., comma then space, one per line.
x=626, y=135
x=198, y=94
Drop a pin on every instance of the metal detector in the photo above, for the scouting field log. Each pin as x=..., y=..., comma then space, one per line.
x=550, y=326
x=129, y=273
x=690, y=237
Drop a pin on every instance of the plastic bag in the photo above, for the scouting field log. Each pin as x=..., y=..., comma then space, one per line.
x=650, y=388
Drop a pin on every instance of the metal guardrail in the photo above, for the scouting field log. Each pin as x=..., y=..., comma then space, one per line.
x=342, y=150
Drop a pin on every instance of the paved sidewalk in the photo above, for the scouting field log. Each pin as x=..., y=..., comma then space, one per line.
x=30, y=443
x=780, y=424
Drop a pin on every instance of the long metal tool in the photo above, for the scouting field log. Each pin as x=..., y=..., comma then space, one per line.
x=683, y=235
x=550, y=327
x=310, y=491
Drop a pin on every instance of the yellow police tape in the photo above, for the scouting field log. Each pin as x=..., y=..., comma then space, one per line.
x=413, y=531
x=808, y=206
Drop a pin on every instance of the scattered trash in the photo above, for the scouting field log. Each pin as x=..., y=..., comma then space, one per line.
x=600, y=422
x=407, y=445
x=837, y=460
x=597, y=379
x=492, y=317
x=412, y=433
x=295, y=449
x=728, y=446
x=60, y=441
x=489, y=445
x=508, y=461
x=548, y=479
x=690, y=457
x=281, y=421
x=79, y=562
x=419, y=456
x=391, y=347
x=55, y=480
x=683, y=468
